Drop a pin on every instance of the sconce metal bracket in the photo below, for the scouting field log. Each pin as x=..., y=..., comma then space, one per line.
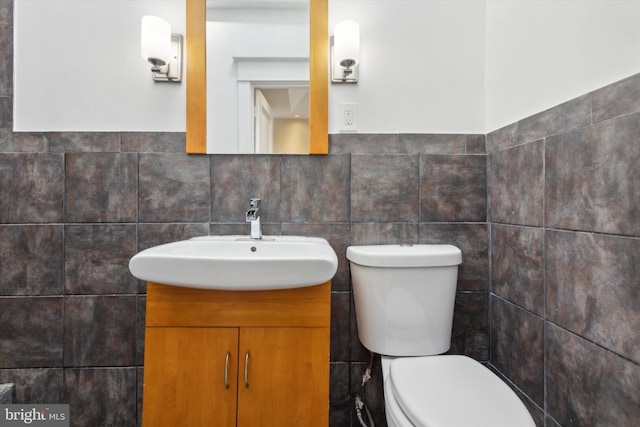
x=172, y=72
x=340, y=74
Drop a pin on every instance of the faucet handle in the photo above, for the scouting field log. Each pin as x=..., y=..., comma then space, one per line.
x=251, y=215
x=254, y=209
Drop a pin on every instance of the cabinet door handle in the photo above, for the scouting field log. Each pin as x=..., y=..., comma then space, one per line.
x=246, y=370
x=226, y=369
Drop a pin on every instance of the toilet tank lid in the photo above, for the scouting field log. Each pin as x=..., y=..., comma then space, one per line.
x=405, y=255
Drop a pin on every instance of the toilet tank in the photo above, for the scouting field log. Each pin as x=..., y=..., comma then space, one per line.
x=404, y=297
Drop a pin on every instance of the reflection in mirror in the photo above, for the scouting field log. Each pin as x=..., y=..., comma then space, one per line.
x=257, y=55
x=281, y=120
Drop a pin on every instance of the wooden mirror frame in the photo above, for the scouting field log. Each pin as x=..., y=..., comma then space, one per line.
x=196, y=76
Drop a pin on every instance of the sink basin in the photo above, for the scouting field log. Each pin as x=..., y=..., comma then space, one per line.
x=238, y=263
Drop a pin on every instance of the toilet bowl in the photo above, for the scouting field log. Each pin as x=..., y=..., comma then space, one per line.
x=452, y=391
x=404, y=297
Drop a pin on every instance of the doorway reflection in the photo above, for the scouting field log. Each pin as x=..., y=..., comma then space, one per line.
x=281, y=120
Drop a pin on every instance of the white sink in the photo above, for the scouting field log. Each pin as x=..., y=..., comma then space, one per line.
x=238, y=263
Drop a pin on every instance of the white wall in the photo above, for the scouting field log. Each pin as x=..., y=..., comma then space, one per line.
x=543, y=53
x=78, y=67
x=422, y=66
x=291, y=136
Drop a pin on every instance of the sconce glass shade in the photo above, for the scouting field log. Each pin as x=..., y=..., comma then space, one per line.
x=155, y=44
x=346, y=43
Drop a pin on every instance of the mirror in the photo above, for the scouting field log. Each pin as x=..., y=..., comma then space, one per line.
x=293, y=86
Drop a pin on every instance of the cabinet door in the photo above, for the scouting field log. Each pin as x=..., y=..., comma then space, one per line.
x=287, y=377
x=184, y=377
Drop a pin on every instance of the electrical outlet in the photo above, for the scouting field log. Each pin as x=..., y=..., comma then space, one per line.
x=348, y=116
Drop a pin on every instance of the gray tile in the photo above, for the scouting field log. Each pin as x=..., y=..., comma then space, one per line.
x=34, y=255
x=97, y=259
x=153, y=142
x=315, y=188
x=503, y=138
x=31, y=332
x=593, y=179
x=475, y=144
x=453, y=188
x=139, y=392
x=470, y=333
x=473, y=241
x=6, y=117
x=564, y=117
x=6, y=13
x=340, y=326
x=432, y=143
x=141, y=319
x=69, y=142
x=32, y=188
x=383, y=233
x=517, y=185
x=6, y=64
x=517, y=266
x=384, y=188
x=99, y=331
x=588, y=385
x=25, y=142
x=339, y=395
x=236, y=179
x=363, y=143
x=592, y=288
x=101, y=397
x=174, y=188
x=101, y=187
x=551, y=422
x=517, y=347
x=35, y=385
x=616, y=99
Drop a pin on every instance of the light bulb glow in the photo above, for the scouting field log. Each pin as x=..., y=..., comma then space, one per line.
x=346, y=43
x=155, y=42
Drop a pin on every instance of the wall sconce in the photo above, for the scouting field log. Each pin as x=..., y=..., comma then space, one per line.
x=345, y=52
x=162, y=49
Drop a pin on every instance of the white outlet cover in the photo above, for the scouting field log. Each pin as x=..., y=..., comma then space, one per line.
x=348, y=117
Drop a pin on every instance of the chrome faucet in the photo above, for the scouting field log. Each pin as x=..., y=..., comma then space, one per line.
x=253, y=216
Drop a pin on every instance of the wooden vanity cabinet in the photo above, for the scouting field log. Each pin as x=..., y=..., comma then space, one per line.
x=227, y=358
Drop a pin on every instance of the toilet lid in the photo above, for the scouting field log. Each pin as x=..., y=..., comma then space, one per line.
x=454, y=391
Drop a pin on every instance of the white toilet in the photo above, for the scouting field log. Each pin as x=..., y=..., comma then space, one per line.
x=404, y=297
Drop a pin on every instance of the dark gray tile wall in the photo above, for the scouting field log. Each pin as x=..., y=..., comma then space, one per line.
x=588, y=385
x=565, y=227
x=592, y=177
x=114, y=200
x=517, y=185
x=85, y=341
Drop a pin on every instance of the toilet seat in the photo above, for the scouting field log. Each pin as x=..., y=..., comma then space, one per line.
x=450, y=391
x=394, y=414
